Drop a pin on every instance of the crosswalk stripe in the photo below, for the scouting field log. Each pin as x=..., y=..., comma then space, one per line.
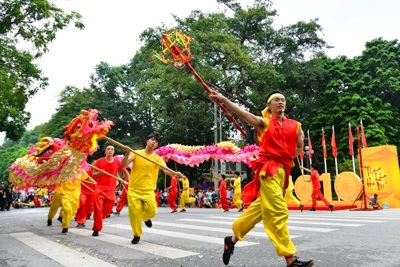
x=309, y=229
x=301, y=221
x=360, y=216
x=59, y=253
x=162, y=251
x=200, y=238
x=335, y=220
x=213, y=229
x=326, y=223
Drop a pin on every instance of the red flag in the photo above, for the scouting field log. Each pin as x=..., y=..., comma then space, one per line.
x=351, y=141
x=324, y=144
x=309, y=146
x=333, y=143
x=301, y=155
x=363, y=139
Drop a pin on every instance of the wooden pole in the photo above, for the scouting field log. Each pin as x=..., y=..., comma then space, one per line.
x=140, y=155
x=302, y=172
x=109, y=174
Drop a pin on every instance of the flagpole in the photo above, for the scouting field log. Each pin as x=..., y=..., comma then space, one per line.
x=361, y=168
x=351, y=148
x=336, y=164
x=309, y=147
x=334, y=151
x=324, y=149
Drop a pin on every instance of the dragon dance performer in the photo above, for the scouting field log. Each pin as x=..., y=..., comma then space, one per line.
x=142, y=204
x=289, y=195
x=223, y=192
x=185, y=192
x=123, y=198
x=70, y=192
x=104, y=196
x=280, y=141
x=173, y=194
x=316, y=193
x=55, y=205
x=237, y=190
x=86, y=200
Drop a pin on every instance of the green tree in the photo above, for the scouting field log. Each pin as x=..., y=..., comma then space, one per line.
x=363, y=88
x=33, y=23
x=11, y=150
x=241, y=56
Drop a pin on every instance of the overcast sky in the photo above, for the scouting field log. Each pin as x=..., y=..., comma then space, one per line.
x=113, y=27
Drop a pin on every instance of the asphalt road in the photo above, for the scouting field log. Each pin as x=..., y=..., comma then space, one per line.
x=195, y=238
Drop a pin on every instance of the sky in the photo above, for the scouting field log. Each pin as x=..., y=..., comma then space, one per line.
x=112, y=30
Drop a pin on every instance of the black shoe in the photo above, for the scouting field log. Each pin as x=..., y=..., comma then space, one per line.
x=116, y=213
x=299, y=263
x=60, y=218
x=108, y=216
x=301, y=207
x=135, y=240
x=331, y=207
x=81, y=225
x=174, y=211
x=49, y=222
x=148, y=223
x=229, y=246
x=65, y=231
x=312, y=209
x=182, y=210
x=226, y=210
x=95, y=233
x=240, y=210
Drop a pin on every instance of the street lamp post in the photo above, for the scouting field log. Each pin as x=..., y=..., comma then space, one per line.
x=215, y=141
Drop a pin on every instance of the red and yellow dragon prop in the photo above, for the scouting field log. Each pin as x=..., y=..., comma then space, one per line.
x=54, y=160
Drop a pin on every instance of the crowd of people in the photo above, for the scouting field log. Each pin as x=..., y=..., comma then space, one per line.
x=30, y=197
x=36, y=197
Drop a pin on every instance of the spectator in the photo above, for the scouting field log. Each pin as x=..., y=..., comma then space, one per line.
x=373, y=203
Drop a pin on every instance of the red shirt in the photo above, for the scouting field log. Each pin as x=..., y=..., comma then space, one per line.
x=222, y=189
x=315, y=180
x=104, y=181
x=174, y=184
x=277, y=145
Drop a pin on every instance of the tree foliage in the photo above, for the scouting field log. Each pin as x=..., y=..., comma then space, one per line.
x=366, y=88
x=26, y=28
x=242, y=56
x=239, y=53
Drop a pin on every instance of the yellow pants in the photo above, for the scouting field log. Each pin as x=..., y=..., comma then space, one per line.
x=237, y=199
x=185, y=199
x=142, y=206
x=69, y=206
x=289, y=196
x=55, y=205
x=270, y=208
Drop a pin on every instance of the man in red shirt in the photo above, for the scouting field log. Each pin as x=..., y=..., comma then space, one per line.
x=280, y=141
x=104, y=195
x=316, y=193
x=173, y=193
x=86, y=200
x=223, y=192
x=123, y=197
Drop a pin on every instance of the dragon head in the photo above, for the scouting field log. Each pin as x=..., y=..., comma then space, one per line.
x=84, y=130
x=45, y=148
